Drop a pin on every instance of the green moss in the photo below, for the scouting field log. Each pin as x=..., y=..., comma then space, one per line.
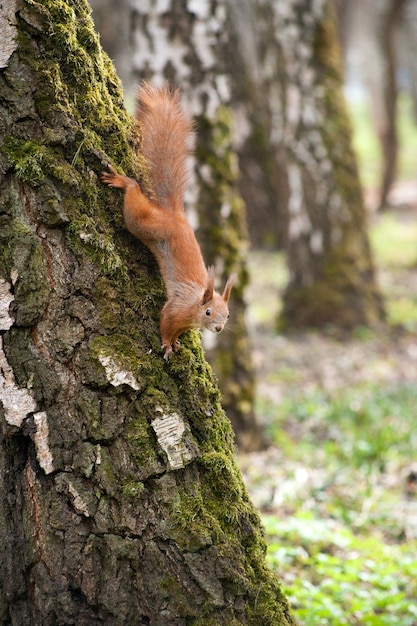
x=140, y=433
x=28, y=159
x=107, y=478
x=83, y=234
x=120, y=349
x=32, y=288
x=193, y=527
x=85, y=125
x=87, y=406
x=179, y=597
x=133, y=489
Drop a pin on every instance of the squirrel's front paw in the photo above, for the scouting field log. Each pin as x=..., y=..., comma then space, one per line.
x=168, y=351
x=170, y=348
x=108, y=177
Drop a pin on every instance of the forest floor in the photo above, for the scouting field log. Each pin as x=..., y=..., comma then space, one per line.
x=337, y=486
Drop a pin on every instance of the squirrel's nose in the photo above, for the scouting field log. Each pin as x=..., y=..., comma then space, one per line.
x=218, y=328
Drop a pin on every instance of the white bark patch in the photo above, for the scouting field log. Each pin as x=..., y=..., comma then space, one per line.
x=299, y=221
x=169, y=429
x=77, y=502
x=316, y=242
x=43, y=452
x=17, y=403
x=6, y=297
x=8, y=43
x=116, y=375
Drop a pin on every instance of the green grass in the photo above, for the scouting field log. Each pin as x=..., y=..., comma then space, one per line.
x=334, y=577
x=394, y=241
x=339, y=535
x=337, y=522
x=366, y=144
x=341, y=549
x=393, y=238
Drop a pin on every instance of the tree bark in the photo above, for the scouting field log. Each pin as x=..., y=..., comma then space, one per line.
x=120, y=500
x=255, y=63
x=186, y=45
x=331, y=271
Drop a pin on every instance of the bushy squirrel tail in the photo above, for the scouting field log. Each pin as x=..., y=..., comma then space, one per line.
x=166, y=143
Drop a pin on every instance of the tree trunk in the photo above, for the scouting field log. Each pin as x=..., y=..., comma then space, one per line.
x=407, y=45
x=389, y=136
x=120, y=501
x=255, y=63
x=191, y=50
x=331, y=271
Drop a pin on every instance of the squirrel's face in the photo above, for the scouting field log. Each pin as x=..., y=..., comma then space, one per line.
x=214, y=313
x=214, y=310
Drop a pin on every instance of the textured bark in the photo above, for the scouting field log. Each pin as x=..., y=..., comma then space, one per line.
x=187, y=44
x=120, y=502
x=255, y=65
x=331, y=271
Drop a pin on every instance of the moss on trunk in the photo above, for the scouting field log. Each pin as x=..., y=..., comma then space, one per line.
x=332, y=274
x=121, y=501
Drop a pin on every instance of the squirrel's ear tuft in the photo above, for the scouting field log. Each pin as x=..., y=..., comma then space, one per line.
x=208, y=294
x=228, y=288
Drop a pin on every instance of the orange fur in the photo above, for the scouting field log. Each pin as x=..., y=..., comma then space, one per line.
x=161, y=224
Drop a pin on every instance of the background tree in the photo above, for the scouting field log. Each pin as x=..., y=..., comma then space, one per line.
x=293, y=69
x=254, y=64
x=331, y=271
x=120, y=502
x=371, y=32
x=188, y=44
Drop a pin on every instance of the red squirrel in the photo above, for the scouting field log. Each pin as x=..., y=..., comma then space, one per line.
x=159, y=220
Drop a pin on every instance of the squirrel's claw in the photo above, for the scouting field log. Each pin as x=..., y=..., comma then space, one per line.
x=170, y=348
x=168, y=352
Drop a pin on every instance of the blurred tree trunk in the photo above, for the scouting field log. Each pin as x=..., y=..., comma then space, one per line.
x=113, y=21
x=407, y=46
x=188, y=45
x=255, y=62
x=120, y=502
x=407, y=43
x=373, y=35
x=388, y=135
x=381, y=19
x=331, y=271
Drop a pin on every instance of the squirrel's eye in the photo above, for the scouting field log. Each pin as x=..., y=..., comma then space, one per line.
x=208, y=312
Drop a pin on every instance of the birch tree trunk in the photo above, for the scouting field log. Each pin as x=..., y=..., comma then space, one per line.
x=188, y=44
x=255, y=65
x=120, y=502
x=289, y=57
x=332, y=277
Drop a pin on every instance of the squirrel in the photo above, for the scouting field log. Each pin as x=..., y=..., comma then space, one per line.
x=158, y=219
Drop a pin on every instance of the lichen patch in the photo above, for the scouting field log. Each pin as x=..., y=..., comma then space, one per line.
x=116, y=375
x=40, y=438
x=17, y=402
x=6, y=297
x=170, y=430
